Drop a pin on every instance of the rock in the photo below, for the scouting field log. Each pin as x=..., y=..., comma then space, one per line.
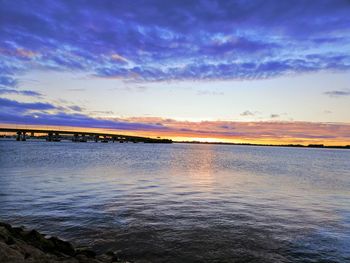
x=10, y=241
x=5, y=235
x=20, y=246
x=9, y=255
x=37, y=240
x=17, y=230
x=7, y=226
x=116, y=256
x=62, y=246
x=86, y=252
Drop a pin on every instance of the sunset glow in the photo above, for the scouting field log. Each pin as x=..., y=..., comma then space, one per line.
x=241, y=73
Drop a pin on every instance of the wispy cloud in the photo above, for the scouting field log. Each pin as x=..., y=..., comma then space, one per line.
x=338, y=93
x=45, y=113
x=30, y=93
x=76, y=108
x=209, y=93
x=247, y=113
x=76, y=90
x=21, y=107
x=7, y=81
x=158, y=41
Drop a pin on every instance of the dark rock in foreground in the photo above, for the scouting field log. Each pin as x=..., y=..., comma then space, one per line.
x=20, y=245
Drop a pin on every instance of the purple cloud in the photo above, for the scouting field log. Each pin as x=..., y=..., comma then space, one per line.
x=36, y=113
x=6, y=81
x=174, y=40
x=30, y=93
x=21, y=107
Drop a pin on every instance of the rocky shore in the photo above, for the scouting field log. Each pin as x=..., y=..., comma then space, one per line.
x=20, y=245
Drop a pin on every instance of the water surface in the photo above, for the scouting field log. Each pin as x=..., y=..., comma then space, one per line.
x=182, y=203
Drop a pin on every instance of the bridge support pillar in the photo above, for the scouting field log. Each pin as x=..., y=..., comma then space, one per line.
x=75, y=137
x=32, y=134
x=97, y=138
x=49, y=137
x=24, y=138
x=18, y=136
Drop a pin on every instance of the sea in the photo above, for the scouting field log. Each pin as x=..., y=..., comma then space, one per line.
x=182, y=202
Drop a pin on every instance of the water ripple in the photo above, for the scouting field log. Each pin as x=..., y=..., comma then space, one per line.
x=183, y=203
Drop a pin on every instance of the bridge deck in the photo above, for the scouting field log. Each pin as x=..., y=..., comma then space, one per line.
x=67, y=132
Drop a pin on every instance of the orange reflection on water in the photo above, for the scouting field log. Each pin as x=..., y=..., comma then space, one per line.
x=195, y=167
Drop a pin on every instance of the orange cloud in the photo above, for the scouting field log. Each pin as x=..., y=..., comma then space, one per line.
x=296, y=132
x=118, y=57
x=256, y=132
x=19, y=52
x=25, y=53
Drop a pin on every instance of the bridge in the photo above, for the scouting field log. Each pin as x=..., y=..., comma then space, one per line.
x=55, y=135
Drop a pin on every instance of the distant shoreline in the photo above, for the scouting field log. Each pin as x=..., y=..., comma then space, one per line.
x=271, y=145
x=159, y=141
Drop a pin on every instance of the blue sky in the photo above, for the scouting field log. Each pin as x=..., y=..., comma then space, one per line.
x=130, y=62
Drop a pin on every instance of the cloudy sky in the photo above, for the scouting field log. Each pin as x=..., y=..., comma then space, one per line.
x=242, y=71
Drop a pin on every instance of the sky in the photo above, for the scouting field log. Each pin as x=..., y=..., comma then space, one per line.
x=233, y=71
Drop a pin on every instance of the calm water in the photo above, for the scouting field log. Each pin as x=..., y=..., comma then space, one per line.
x=182, y=203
